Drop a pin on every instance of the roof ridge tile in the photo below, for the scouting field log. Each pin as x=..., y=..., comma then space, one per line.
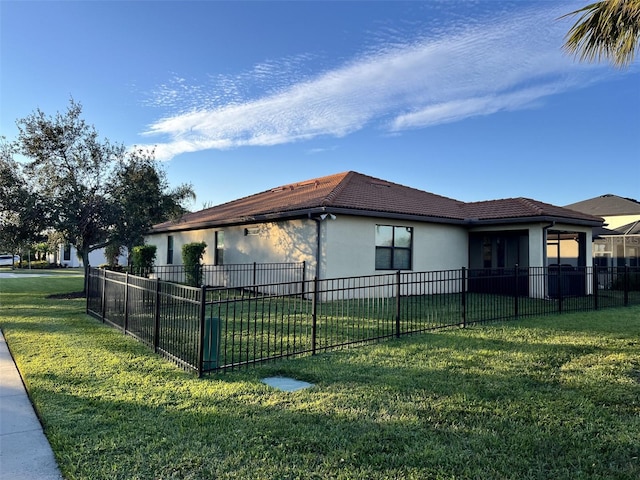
x=330, y=197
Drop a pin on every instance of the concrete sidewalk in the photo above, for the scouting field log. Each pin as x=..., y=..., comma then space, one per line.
x=25, y=453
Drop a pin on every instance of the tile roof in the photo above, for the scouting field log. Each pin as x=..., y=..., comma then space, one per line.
x=355, y=193
x=606, y=205
x=521, y=208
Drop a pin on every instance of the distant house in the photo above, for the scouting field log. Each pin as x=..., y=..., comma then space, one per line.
x=619, y=243
x=350, y=224
x=66, y=255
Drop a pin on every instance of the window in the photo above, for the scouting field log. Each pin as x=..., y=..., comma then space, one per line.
x=499, y=249
x=219, y=252
x=169, y=250
x=66, y=254
x=393, y=247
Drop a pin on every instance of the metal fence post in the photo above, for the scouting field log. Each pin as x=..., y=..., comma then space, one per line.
x=594, y=281
x=516, y=293
x=103, y=309
x=88, y=291
x=627, y=285
x=156, y=324
x=463, y=292
x=560, y=292
x=314, y=316
x=253, y=281
x=203, y=307
x=398, y=304
x=126, y=302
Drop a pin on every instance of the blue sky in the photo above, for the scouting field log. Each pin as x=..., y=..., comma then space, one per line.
x=473, y=100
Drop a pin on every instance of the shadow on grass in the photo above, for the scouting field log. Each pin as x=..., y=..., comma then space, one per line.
x=449, y=423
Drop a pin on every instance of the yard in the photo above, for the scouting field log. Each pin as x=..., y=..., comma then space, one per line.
x=537, y=398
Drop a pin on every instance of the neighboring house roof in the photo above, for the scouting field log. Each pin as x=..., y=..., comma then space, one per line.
x=599, y=232
x=632, y=228
x=353, y=193
x=607, y=205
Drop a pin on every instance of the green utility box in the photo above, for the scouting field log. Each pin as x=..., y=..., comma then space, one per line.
x=211, y=343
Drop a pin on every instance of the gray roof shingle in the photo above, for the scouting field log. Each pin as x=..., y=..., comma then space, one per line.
x=606, y=205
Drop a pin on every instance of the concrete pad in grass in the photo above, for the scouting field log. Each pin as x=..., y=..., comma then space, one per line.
x=286, y=384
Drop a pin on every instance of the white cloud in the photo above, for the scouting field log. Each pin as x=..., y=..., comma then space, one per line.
x=508, y=64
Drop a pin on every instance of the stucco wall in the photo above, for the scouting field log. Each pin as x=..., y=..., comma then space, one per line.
x=348, y=247
x=289, y=242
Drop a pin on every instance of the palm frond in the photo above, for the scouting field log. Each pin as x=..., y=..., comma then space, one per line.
x=605, y=30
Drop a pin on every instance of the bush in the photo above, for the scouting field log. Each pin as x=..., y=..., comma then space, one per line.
x=631, y=280
x=143, y=257
x=35, y=265
x=192, y=254
x=111, y=253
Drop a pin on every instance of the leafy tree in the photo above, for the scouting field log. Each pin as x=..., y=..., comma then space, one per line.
x=141, y=192
x=54, y=240
x=72, y=167
x=608, y=29
x=22, y=213
x=96, y=192
x=41, y=250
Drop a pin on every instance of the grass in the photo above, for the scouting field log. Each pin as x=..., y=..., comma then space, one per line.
x=256, y=327
x=543, y=397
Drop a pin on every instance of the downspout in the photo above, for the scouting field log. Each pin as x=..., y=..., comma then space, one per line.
x=318, y=244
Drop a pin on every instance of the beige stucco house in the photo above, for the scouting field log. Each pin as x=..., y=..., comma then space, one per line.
x=350, y=224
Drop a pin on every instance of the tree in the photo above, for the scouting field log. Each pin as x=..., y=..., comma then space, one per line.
x=608, y=29
x=71, y=167
x=22, y=213
x=97, y=193
x=141, y=192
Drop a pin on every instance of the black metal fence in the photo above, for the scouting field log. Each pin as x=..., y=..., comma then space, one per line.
x=230, y=275
x=211, y=329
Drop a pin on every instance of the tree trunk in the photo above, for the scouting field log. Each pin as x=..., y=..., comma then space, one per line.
x=86, y=266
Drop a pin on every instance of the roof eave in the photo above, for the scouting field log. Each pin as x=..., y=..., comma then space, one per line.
x=301, y=213
x=309, y=212
x=534, y=219
x=246, y=220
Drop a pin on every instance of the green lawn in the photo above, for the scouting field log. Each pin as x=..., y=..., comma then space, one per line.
x=539, y=398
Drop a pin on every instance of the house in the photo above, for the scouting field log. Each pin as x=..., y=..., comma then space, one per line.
x=350, y=224
x=66, y=255
x=619, y=243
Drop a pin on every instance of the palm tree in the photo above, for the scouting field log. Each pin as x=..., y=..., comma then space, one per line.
x=607, y=29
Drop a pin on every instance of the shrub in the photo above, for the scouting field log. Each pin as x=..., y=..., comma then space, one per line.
x=143, y=257
x=629, y=280
x=192, y=254
x=35, y=265
x=111, y=253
